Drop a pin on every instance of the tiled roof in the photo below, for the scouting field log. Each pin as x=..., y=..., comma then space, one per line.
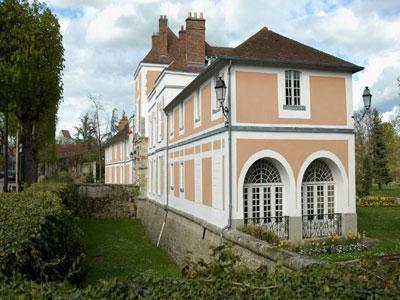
x=68, y=150
x=264, y=45
x=120, y=136
x=65, y=133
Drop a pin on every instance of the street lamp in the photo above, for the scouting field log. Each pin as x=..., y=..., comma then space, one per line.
x=220, y=91
x=367, y=98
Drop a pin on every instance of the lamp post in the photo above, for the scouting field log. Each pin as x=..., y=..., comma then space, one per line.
x=367, y=98
x=220, y=91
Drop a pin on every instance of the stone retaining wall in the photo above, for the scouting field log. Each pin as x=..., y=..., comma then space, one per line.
x=107, y=200
x=184, y=233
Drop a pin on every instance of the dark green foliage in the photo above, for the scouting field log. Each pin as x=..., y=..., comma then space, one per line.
x=366, y=180
x=260, y=232
x=31, y=64
x=38, y=238
x=66, y=191
x=89, y=177
x=220, y=279
x=380, y=164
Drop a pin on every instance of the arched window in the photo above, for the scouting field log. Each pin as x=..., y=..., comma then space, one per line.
x=318, y=199
x=263, y=193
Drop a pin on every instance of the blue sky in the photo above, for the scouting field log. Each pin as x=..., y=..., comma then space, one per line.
x=104, y=41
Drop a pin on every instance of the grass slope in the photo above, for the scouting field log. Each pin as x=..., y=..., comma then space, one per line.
x=116, y=248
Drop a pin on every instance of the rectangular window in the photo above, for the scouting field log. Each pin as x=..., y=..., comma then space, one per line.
x=171, y=176
x=292, y=88
x=150, y=133
x=182, y=176
x=181, y=117
x=159, y=177
x=171, y=124
x=197, y=107
x=159, y=125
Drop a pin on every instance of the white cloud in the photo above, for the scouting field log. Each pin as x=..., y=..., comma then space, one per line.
x=107, y=39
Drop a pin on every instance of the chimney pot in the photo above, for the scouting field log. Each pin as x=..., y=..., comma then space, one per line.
x=189, y=14
x=201, y=15
x=195, y=15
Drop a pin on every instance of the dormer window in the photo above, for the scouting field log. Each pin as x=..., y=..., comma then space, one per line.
x=292, y=88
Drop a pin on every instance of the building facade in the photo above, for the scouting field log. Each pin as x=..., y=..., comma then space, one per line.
x=119, y=157
x=283, y=155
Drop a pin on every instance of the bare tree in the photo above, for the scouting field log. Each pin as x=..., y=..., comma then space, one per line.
x=100, y=126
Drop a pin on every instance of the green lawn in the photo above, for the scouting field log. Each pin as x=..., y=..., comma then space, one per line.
x=381, y=223
x=391, y=190
x=116, y=248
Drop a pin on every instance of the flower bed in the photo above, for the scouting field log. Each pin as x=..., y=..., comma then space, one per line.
x=331, y=245
x=373, y=201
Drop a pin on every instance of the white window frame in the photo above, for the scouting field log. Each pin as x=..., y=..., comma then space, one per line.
x=182, y=176
x=197, y=109
x=293, y=101
x=159, y=125
x=181, y=118
x=302, y=111
x=171, y=176
x=171, y=124
x=159, y=175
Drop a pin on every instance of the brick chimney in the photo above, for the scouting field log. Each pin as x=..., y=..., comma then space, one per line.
x=195, y=38
x=122, y=123
x=182, y=42
x=155, y=42
x=163, y=31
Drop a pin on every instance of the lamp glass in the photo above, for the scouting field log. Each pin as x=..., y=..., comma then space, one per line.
x=220, y=90
x=367, y=98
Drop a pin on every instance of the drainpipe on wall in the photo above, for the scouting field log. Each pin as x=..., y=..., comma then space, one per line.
x=166, y=183
x=227, y=227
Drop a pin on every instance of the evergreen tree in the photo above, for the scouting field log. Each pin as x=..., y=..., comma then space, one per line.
x=380, y=165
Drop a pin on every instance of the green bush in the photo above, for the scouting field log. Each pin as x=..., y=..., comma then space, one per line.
x=89, y=177
x=260, y=232
x=38, y=238
x=66, y=191
x=220, y=279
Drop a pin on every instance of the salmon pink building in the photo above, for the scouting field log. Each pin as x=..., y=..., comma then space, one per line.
x=277, y=150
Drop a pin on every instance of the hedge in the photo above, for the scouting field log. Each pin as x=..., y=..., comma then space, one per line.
x=220, y=279
x=38, y=238
x=66, y=191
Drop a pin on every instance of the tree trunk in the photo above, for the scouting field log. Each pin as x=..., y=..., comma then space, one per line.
x=5, y=144
x=29, y=153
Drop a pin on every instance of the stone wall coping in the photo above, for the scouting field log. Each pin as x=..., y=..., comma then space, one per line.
x=104, y=184
x=289, y=259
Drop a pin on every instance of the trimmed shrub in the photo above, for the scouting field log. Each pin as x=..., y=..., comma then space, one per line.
x=260, y=232
x=38, y=238
x=66, y=191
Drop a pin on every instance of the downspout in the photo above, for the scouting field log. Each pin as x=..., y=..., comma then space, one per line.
x=166, y=183
x=227, y=227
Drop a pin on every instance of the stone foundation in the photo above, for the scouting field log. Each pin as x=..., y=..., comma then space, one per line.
x=185, y=234
x=107, y=200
